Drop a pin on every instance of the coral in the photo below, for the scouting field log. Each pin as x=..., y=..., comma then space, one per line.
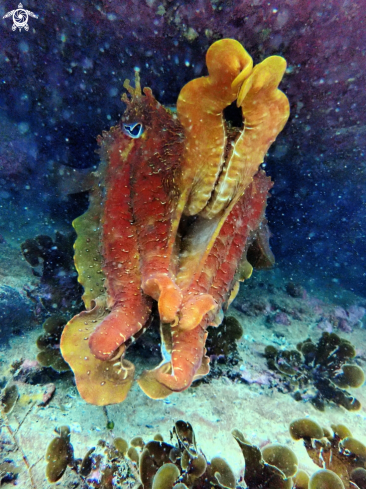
x=295, y=290
x=221, y=349
x=272, y=468
x=58, y=287
x=305, y=428
x=222, y=339
x=151, y=465
x=59, y=455
x=345, y=320
x=325, y=479
x=49, y=344
x=181, y=464
x=32, y=372
x=281, y=318
x=355, y=315
x=319, y=372
x=9, y=397
x=163, y=226
x=47, y=394
x=341, y=456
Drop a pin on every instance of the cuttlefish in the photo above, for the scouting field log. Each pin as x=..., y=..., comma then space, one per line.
x=175, y=206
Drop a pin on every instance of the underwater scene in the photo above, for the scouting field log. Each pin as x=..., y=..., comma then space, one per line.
x=182, y=244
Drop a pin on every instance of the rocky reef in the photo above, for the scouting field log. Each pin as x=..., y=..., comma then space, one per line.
x=158, y=464
x=320, y=372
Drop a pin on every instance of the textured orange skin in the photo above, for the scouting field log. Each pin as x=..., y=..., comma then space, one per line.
x=247, y=215
x=138, y=225
x=265, y=111
x=99, y=382
x=199, y=107
x=154, y=192
x=130, y=307
x=216, y=280
x=176, y=168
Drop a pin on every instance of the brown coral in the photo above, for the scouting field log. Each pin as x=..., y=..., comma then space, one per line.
x=325, y=366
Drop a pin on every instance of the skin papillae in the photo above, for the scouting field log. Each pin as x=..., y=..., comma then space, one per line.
x=176, y=200
x=104, y=257
x=216, y=282
x=265, y=110
x=130, y=307
x=200, y=108
x=154, y=196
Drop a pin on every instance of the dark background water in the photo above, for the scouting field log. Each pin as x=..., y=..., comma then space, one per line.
x=61, y=83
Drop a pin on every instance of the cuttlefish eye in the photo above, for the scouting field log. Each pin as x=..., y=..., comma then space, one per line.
x=133, y=130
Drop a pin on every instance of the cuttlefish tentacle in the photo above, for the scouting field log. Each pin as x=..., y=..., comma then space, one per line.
x=187, y=358
x=130, y=307
x=217, y=278
x=199, y=107
x=265, y=111
x=154, y=198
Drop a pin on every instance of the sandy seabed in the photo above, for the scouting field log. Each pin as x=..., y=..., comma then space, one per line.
x=254, y=406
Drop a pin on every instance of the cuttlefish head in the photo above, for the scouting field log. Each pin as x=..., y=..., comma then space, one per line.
x=140, y=109
x=134, y=129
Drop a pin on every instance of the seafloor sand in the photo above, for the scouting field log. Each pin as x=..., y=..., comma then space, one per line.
x=255, y=407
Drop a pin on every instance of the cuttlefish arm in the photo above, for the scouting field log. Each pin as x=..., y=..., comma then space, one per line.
x=265, y=111
x=199, y=107
x=206, y=296
x=163, y=381
x=129, y=307
x=99, y=382
x=154, y=197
